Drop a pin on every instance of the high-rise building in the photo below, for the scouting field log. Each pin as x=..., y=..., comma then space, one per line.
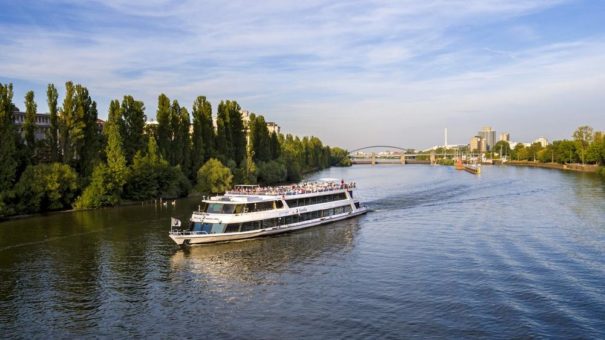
x=505, y=136
x=477, y=144
x=489, y=137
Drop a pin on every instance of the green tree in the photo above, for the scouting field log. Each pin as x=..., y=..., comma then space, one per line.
x=275, y=145
x=175, y=156
x=520, y=152
x=208, y=133
x=53, y=132
x=582, y=138
x=224, y=138
x=108, y=179
x=152, y=177
x=132, y=127
x=29, y=127
x=594, y=152
x=213, y=177
x=565, y=152
x=184, y=141
x=260, y=139
x=45, y=187
x=200, y=139
x=68, y=123
x=79, y=132
x=272, y=172
x=164, y=130
x=238, y=133
x=339, y=157
x=8, y=146
x=533, y=151
x=502, y=148
x=292, y=155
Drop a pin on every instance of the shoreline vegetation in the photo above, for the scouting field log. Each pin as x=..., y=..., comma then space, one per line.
x=576, y=167
x=584, y=153
x=83, y=162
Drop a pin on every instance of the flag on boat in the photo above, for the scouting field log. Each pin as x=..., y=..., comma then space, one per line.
x=175, y=222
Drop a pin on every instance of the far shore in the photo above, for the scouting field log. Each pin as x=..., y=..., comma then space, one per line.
x=588, y=168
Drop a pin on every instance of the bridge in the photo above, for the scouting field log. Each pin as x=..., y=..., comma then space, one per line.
x=402, y=158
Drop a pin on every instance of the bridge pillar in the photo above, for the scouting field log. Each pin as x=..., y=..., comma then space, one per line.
x=402, y=159
x=433, y=158
x=373, y=158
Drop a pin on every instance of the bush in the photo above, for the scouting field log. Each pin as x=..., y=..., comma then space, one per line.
x=271, y=172
x=152, y=177
x=213, y=177
x=102, y=190
x=46, y=187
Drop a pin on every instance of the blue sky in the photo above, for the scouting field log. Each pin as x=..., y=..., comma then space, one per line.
x=353, y=73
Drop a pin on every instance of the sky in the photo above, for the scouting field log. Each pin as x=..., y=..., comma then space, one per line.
x=353, y=73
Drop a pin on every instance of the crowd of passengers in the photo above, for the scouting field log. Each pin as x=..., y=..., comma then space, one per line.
x=295, y=189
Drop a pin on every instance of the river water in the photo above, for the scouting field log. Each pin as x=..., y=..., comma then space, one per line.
x=514, y=252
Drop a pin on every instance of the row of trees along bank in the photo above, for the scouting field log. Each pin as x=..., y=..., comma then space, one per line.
x=586, y=147
x=82, y=164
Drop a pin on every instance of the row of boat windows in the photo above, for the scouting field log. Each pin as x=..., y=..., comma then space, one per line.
x=221, y=208
x=274, y=222
x=298, y=202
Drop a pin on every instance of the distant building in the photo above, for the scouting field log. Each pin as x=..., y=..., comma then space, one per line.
x=505, y=136
x=477, y=144
x=100, y=124
x=543, y=141
x=245, y=118
x=489, y=138
x=42, y=123
x=273, y=127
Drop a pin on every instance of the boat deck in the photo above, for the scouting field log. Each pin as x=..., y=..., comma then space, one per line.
x=288, y=190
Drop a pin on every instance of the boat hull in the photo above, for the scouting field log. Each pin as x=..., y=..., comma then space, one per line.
x=191, y=239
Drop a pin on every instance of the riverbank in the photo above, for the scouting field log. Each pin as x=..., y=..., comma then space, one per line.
x=588, y=168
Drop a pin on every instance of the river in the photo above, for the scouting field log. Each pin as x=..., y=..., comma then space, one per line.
x=514, y=252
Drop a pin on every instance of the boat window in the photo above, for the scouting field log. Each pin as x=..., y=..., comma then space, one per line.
x=232, y=228
x=357, y=205
x=197, y=226
x=208, y=228
x=279, y=204
x=239, y=208
x=228, y=208
x=204, y=206
x=215, y=208
x=261, y=206
x=251, y=225
x=268, y=223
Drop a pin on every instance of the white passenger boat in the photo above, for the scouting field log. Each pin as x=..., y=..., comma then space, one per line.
x=251, y=211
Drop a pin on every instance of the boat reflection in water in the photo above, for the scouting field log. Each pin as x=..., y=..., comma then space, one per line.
x=262, y=261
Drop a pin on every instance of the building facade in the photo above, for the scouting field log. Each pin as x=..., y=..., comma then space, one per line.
x=42, y=123
x=477, y=144
x=489, y=138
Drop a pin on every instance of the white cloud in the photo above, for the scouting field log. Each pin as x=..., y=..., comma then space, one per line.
x=382, y=69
